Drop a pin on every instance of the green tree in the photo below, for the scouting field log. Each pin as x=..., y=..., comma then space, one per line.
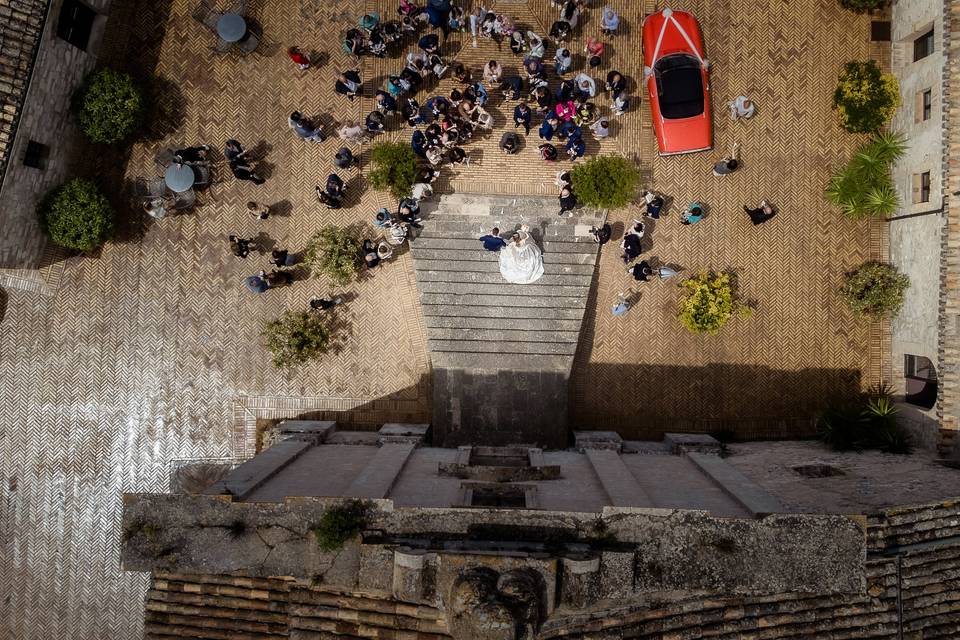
x=865, y=97
x=296, y=337
x=864, y=187
x=340, y=523
x=707, y=302
x=394, y=168
x=110, y=106
x=76, y=215
x=334, y=252
x=606, y=182
x=875, y=290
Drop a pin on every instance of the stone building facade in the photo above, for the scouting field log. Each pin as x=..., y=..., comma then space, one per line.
x=55, y=46
x=920, y=35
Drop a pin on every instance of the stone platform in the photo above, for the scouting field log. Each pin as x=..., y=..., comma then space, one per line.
x=501, y=352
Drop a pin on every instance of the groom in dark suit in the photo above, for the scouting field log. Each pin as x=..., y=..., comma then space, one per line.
x=493, y=241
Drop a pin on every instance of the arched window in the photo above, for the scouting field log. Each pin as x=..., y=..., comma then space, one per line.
x=921, y=381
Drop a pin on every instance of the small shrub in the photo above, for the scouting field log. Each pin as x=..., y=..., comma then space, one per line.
x=110, y=106
x=708, y=301
x=865, y=186
x=76, y=215
x=863, y=6
x=606, y=182
x=340, y=523
x=875, y=290
x=865, y=97
x=334, y=252
x=869, y=422
x=296, y=337
x=394, y=168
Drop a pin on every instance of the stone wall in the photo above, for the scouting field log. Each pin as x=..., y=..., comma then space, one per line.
x=45, y=118
x=915, y=241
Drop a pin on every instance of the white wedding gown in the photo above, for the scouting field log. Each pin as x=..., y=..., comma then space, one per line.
x=523, y=264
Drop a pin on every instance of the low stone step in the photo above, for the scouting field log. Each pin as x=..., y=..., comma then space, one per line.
x=479, y=255
x=504, y=289
x=431, y=230
x=493, y=266
x=494, y=277
x=446, y=309
x=483, y=346
x=494, y=362
x=548, y=245
x=501, y=335
x=518, y=324
x=500, y=302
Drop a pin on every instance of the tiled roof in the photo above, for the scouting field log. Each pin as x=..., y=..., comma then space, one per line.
x=914, y=563
x=21, y=27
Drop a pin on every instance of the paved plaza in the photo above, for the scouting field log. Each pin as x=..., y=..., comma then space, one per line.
x=150, y=352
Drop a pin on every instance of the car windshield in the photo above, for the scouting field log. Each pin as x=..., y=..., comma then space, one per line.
x=679, y=86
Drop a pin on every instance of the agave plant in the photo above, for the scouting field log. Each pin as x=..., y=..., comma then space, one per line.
x=881, y=407
x=882, y=201
x=865, y=187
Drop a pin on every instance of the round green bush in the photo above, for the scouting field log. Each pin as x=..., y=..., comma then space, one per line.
x=110, y=106
x=394, y=168
x=296, y=337
x=77, y=216
x=708, y=301
x=865, y=98
x=334, y=252
x=875, y=289
x=863, y=6
x=606, y=182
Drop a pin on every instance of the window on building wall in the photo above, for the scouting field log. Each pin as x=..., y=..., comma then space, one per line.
x=76, y=23
x=927, y=104
x=36, y=155
x=921, y=187
x=923, y=46
x=920, y=377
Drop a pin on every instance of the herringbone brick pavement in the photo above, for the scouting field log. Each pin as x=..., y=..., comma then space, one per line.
x=148, y=352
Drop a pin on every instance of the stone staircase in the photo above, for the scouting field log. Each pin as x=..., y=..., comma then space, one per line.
x=501, y=352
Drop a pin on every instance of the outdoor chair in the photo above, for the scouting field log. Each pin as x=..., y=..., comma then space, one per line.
x=184, y=200
x=203, y=175
x=222, y=46
x=205, y=15
x=164, y=158
x=238, y=7
x=251, y=42
x=149, y=187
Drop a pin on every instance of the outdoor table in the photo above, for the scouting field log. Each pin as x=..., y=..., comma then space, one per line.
x=231, y=27
x=179, y=177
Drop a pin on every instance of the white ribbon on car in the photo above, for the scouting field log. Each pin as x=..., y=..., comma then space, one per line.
x=668, y=15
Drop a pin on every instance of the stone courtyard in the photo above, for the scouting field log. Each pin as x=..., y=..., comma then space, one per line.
x=115, y=365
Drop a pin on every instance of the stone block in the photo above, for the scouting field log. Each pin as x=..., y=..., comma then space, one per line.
x=680, y=442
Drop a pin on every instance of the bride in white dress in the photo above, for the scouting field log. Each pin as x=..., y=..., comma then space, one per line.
x=521, y=261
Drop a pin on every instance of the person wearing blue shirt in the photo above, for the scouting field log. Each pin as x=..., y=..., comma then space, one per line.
x=493, y=241
x=521, y=117
x=576, y=147
x=549, y=127
x=419, y=143
x=569, y=131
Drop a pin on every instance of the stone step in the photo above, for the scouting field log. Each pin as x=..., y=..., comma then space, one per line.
x=493, y=266
x=550, y=232
x=496, y=361
x=501, y=302
x=496, y=291
x=571, y=245
x=554, y=225
x=494, y=277
x=518, y=324
x=502, y=335
x=473, y=310
x=483, y=346
x=480, y=255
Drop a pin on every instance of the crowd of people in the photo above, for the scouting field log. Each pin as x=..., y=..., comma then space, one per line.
x=547, y=94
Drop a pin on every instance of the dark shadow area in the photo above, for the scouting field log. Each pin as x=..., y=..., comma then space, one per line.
x=167, y=109
x=3, y=303
x=281, y=209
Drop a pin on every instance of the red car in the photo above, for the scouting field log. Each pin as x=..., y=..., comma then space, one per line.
x=678, y=82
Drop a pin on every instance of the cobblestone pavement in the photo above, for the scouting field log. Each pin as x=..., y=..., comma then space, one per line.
x=150, y=352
